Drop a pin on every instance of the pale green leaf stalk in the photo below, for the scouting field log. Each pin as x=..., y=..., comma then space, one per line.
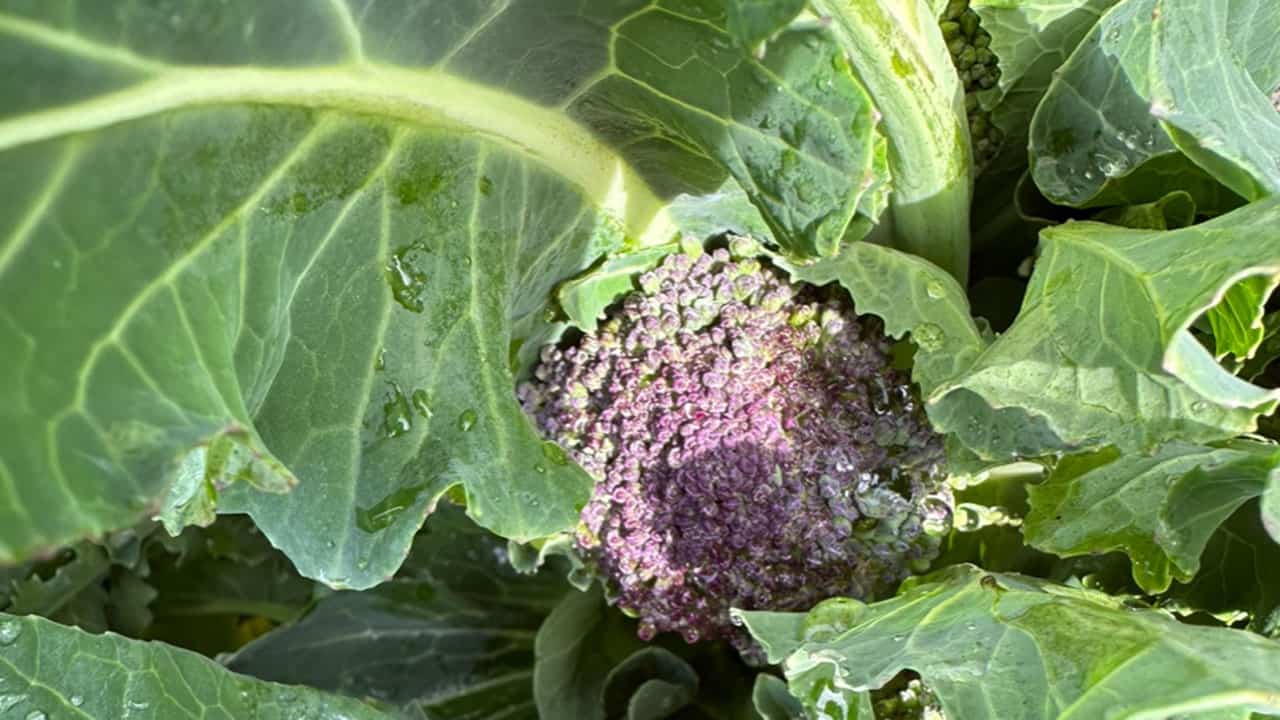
x=898, y=53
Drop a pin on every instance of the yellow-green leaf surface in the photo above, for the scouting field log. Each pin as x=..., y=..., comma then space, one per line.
x=49, y=670
x=289, y=242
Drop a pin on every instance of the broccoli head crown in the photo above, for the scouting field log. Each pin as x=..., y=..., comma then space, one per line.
x=752, y=447
x=979, y=68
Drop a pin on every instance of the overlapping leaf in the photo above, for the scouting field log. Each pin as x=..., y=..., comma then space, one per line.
x=1101, y=354
x=307, y=239
x=49, y=670
x=1159, y=89
x=1032, y=40
x=897, y=51
x=1160, y=509
x=1012, y=647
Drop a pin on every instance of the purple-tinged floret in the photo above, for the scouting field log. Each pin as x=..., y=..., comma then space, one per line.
x=752, y=445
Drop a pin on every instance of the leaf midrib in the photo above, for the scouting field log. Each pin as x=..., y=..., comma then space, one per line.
x=428, y=98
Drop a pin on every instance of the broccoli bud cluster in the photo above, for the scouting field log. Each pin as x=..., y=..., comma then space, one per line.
x=752, y=446
x=979, y=68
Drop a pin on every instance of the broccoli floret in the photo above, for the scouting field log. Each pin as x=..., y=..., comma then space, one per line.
x=752, y=446
x=979, y=68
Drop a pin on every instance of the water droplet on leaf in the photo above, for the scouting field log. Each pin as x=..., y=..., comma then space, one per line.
x=422, y=403
x=467, y=420
x=928, y=336
x=831, y=617
x=407, y=280
x=383, y=513
x=9, y=632
x=935, y=289
x=397, y=417
x=554, y=453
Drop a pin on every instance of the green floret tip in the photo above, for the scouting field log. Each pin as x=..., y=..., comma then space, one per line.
x=979, y=68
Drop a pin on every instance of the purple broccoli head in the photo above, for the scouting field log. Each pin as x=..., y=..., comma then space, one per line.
x=752, y=446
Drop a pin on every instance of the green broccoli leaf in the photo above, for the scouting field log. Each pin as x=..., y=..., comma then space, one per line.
x=318, y=235
x=912, y=296
x=1101, y=354
x=578, y=645
x=1268, y=349
x=1014, y=647
x=1160, y=509
x=1236, y=320
x=897, y=51
x=1157, y=86
x=1236, y=575
x=1032, y=39
x=453, y=637
x=773, y=701
x=49, y=670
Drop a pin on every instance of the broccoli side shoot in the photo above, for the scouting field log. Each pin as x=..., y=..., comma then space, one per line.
x=979, y=68
x=752, y=447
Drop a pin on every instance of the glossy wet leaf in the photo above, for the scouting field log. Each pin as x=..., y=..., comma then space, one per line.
x=1160, y=509
x=1013, y=647
x=1100, y=353
x=49, y=670
x=1032, y=38
x=321, y=230
x=1159, y=88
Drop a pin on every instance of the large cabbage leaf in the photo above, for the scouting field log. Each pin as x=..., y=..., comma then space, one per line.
x=245, y=247
x=1012, y=647
x=1165, y=95
x=1160, y=509
x=1101, y=352
x=48, y=670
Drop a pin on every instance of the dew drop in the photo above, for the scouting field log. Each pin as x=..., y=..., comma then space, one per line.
x=37, y=715
x=77, y=700
x=554, y=453
x=422, y=403
x=7, y=701
x=540, y=469
x=9, y=632
x=467, y=420
x=383, y=513
x=935, y=289
x=397, y=417
x=407, y=280
x=928, y=336
x=1199, y=406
